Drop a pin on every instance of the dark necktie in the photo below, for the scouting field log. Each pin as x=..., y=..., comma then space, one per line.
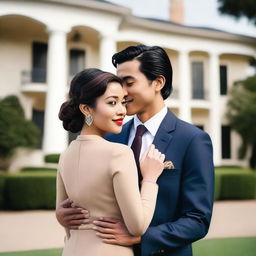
x=136, y=147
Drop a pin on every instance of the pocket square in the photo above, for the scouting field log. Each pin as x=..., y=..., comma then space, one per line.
x=168, y=165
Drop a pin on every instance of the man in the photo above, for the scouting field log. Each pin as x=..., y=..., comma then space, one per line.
x=185, y=198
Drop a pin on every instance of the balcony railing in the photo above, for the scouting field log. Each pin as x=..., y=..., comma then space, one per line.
x=36, y=75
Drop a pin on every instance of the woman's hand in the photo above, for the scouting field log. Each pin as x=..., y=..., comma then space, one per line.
x=152, y=164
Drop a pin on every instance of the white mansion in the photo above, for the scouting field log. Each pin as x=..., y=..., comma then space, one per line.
x=43, y=43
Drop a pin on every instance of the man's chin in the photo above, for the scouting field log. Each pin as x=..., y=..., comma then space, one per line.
x=131, y=113
x=130, y=110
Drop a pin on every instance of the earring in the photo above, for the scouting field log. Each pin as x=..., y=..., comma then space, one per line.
x=88, y=120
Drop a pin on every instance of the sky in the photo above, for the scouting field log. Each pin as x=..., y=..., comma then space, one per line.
x=202, y=13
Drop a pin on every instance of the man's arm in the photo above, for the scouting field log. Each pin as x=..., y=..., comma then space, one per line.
x=114, y=231
x=69, y=216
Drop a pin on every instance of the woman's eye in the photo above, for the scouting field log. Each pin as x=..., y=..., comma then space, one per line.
x=112, y=103
x=124, y=102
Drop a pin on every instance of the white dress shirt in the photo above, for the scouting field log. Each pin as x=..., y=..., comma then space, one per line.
x=152, y=126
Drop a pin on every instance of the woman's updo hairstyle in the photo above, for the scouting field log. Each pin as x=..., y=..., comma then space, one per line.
x=85, y=88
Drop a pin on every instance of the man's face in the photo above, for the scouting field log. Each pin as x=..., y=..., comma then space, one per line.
x=140, y=92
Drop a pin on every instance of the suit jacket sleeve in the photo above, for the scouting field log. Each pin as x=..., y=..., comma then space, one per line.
x=196, y=199
x=137, y=208
x=61, y=193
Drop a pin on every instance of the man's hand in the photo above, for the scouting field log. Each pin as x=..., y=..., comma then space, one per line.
x=70, y=216
x=114, y=231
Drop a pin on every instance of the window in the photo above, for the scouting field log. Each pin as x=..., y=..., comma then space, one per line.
x=76, y=61
x=39, y=55
x=226, y=142
x=197, y=80
x=38, y=119
x=223, y=80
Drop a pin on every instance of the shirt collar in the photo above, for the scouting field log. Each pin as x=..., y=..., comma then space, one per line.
x=153, y=123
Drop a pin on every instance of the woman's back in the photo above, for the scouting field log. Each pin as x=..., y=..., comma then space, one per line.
x=87, y=175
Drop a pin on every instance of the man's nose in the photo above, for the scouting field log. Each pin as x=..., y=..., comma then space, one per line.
x=125, y=91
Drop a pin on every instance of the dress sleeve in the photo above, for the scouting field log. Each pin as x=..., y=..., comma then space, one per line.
x=61, y=193
x=137, y=207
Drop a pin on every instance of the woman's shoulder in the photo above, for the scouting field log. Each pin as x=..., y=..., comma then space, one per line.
x=119, y=148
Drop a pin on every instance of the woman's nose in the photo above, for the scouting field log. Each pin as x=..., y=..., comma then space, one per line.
x=121, y=110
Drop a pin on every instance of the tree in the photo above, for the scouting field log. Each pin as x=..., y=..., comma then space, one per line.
x=242, y=108
x=242, y=115
x=15, y=130
x=239, y=8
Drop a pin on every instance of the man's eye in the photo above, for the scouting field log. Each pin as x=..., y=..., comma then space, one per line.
x=129, y=84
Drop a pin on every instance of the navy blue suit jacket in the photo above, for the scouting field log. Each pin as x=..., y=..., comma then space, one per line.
x=185, y=197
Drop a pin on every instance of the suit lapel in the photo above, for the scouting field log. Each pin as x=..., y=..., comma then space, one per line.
x=164, y=133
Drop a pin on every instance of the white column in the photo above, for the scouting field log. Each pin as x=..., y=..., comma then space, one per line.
x=55, y=138
x=215, y=115
x=184, y=86
x=107, y=49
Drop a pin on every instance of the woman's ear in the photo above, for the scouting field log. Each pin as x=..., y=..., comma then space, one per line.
x=159, y=83
x=85, y=109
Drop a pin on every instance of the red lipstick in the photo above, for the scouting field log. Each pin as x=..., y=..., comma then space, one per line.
x=119, y=121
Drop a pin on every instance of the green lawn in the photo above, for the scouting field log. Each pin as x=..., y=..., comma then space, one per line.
x=48, y=252
x=208, y=247
x=226, y=247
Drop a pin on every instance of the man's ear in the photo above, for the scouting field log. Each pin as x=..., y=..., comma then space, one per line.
x=85, y=109
x=159, y=83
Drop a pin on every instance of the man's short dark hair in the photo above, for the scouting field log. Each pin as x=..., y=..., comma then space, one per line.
x=154, y=62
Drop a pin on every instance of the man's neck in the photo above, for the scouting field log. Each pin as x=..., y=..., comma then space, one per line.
x=150, y=112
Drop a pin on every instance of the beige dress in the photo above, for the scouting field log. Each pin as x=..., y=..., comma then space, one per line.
x=101, y=176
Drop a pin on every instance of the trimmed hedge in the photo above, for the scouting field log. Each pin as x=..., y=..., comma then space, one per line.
x=2, y=185
x=235, y=184
x=217, y=186
x=37, y=189
x=25, y=191
x=52, y=158
x=37, y=169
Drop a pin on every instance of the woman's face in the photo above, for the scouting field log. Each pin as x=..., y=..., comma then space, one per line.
x=110, y=110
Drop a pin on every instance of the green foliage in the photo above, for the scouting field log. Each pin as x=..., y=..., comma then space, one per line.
x=217, y=186
x=235, y=184
x=52, y=158
x=37, y=189
x=241, y=115
x=238, y=8
x=15, y=130
x=37, y=169
x=30, y=190
x=2, y=184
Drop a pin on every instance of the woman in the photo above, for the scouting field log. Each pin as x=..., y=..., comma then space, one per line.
x=99, y=175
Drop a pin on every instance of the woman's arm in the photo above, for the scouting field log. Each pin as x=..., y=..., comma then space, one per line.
x=137, y=207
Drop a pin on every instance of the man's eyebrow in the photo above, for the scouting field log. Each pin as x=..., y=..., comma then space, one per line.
x=127, y=77
x=116, y=97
